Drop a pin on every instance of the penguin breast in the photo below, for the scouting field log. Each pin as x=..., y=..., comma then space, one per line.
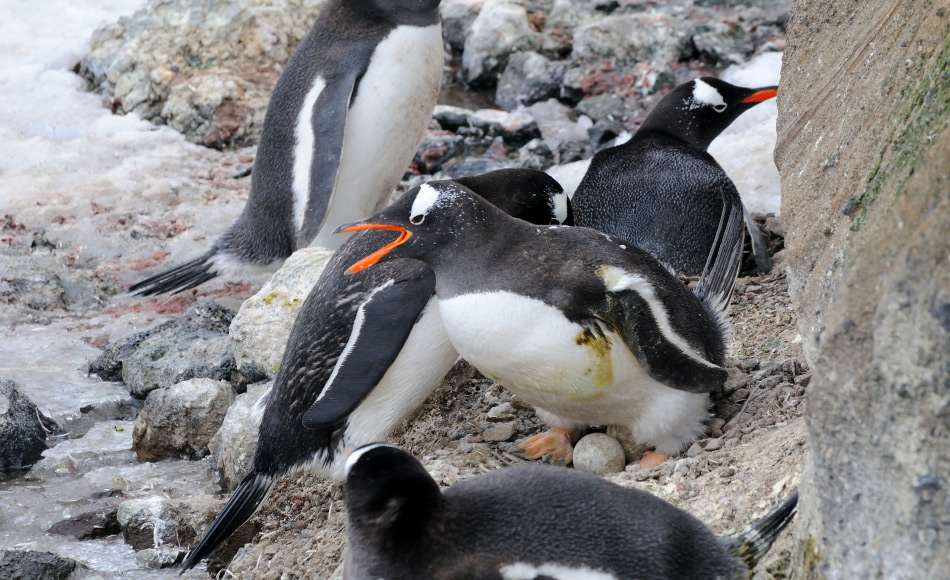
x=584, y=374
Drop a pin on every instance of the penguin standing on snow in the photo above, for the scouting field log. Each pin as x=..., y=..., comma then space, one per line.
x=527, y=523
x=342, y=126
x=588, y=329
x=661, y=190
x=365, y=349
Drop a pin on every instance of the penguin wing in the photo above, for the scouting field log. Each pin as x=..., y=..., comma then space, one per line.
x=328, y=121
x=641, y=318
x=383, y=323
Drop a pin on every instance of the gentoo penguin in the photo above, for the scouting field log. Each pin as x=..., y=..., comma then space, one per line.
x=342, y=126
x=530, y=522
x=589, y=329
x=661, y=190
x=367, y=349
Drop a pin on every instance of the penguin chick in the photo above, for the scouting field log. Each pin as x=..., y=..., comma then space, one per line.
x=366, y=350
x=571, y=525
x=342, y=125
x=661, y=190
x=588, y=329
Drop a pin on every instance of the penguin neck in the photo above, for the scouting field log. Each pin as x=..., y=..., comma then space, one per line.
x=684, y=130
x=467, y=253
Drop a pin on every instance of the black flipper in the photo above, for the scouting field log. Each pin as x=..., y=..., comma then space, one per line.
x=383, y=323
x=245, y=500
x=753, y=544
x=177, y=279
x=329, y=124
x=760, y=250
x=722, y=266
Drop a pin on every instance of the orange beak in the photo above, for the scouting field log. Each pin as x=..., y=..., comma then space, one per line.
x=760, y=96
x=371, y=259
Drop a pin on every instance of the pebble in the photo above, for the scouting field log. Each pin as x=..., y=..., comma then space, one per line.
x=599, y=453
x=501, y=431
x=694, y=450
x=499, y=413
x=714, y=444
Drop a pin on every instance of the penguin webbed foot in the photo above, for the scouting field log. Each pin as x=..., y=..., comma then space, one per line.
x=555, y=441
x=652, y=459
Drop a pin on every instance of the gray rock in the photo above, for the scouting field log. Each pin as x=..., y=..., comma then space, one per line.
x=606, y=107
x=260, y=329
x=626, y=39
x=145, y=353
x=163, y=557
x=154, y=522
x=501, y=431
x=599, y=453
x=204, y=68
x=169, y=358
x=178, y=421
x=26, y=565
x=719, y=43
x=501, y=413
x=867, y=246
x=499, y=30
x=535, y=155
x=25, y=431
x=527, y=79
x=235, y=443
x=437, y=147
x=89, y=525
x=457, y=17
x=106, y=444
x=713, y=444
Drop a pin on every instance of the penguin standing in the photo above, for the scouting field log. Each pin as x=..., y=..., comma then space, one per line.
x=367, y=349
x=661, y=190
x=526, y=523
x=588, y=329
x=342, y=126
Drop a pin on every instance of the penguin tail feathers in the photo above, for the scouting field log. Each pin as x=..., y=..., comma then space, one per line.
x=178, y=279
x=753, y=544
x=250, y=494
x=722, y=266
x=760, y=250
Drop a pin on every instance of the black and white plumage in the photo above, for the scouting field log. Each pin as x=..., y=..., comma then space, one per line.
x=530, y=523
x=589, y=329
x=661, y=190
x=366, y=350
x=342, y=126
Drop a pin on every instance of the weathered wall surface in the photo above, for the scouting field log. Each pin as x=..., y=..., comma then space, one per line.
x=864, y=152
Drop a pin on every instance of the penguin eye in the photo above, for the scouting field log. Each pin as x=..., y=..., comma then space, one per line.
x=418, y=218
x=719, y=108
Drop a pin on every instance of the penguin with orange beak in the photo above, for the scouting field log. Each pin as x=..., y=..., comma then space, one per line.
x=589, y=329
x=661, y=190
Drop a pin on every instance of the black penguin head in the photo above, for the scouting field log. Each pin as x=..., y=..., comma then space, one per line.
x=407, y=12
x=698, y=111
x=527, y=194
x=432, y=217
x=388, y=494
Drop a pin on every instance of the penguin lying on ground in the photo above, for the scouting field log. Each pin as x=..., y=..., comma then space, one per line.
x=589, y=329
x=661, y=190
x=571, y=525
x=342, y=126
x=368, y=349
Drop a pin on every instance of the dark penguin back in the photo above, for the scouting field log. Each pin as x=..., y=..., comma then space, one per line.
x=659, y=193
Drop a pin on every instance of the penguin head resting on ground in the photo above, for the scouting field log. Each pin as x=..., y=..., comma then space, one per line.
x=698, y=111
x=528, y=523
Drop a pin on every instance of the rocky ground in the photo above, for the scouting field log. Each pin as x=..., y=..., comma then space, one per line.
x=566, y=95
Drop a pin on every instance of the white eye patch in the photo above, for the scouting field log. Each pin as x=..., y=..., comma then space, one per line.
x=705, y=95
x=427, y=197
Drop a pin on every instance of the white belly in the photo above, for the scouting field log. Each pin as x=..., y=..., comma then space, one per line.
x=385, y=124
x=532, y=349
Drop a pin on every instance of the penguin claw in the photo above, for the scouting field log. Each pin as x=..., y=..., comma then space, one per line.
x=555, y=441
x=651, y=459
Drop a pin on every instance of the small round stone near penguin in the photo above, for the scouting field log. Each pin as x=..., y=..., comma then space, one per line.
x=599, y=453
